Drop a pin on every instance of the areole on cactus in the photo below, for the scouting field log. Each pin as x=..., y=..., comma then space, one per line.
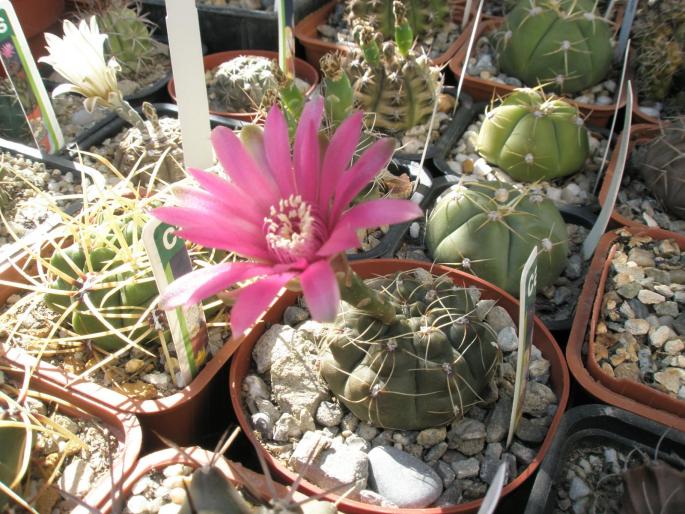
x=560, y=44
x=534, y=137
x=489, y=229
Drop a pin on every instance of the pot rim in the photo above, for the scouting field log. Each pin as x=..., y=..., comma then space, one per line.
x=542, y=337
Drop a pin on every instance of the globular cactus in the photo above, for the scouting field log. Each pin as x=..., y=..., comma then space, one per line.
x=13, y=455
x=659, y=40
x=104, y=284
x=240, y=85
x=489, y=229
x=532, y=137
x=424, y=369
x=391, y=82
x=662, y=166
x=337, y=89
x=13, y=124
x=129, y=38
x=561, y=44
x=426, y=17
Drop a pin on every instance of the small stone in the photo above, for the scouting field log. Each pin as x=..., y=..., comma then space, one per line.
x=169, y=508
x=177, y=495
x=507, y=339
x=674, y=347
x=373, y=498
x=537, y=399
x=446, y=473
x=629, y=290
x=350, y=422
x=173, y=482
x=414, y=230
x=436, y=452
x=141, y=486
x=650, y=297
x=604, y=100
x=679, y=324
x=660, y=335
x=357, y=443
x=531, y=430
x=419, y=485
x=637, y=326
x=641, y=257
x=499, y=318
x=627, y=370
x=274, y=344
x=539, y=370
x=77, y=478
x=467, y=436
x=366, y=431
x=466, y=468
x=670, y=378
x=133, y=366
x=667, y=309
x=488, y=469
x=431, y=436
x=329, y=414
x=138, y=505
x=498, y=424
x=173, y=470
x=451, y=496
x=157, y=379
x=294, y=315
x=522, y=453
x=483, y=307
x=578, y=489
x=286, y=427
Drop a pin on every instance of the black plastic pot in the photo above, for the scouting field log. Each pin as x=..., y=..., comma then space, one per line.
x=598, y=424
x=422, y=194
x=233, y=28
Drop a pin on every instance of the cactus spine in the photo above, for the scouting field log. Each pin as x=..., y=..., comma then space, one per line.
x=490, y=228
x=561, y=44
x=424, y=368
x=425, y=17
x=240, y=85
x=533, y=137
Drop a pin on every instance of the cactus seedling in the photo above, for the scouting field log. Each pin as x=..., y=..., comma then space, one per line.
x=562, y=44
x=662, y=166
x=490, y=228
x=533, y=137
x=240, y=85
x=425, y=368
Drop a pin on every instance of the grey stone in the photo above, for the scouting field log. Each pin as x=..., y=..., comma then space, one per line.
x=467, y=436
x=77, y=478
x=629, y=290
x=274, y=344
x=488, y=469
x=522, y=453
x=641, y=257
x=498, y=424
x=667, y=309
x=510, y=461
x=641, y=310
x=578, y=489
x=286, y=427
x=531, y=430
x=494, y=450
x=650, y=297
x=484, y=307
x=451, y=496
x=294, y=315
x=466, y=468
x=537, y=399
x=660, y=335
x=431, y=436
x=679, y=324
x=357, y=443
x=507, y=339
x=660, y=276
x=373, y=498
x=404, y=437
x=333, y=467
x=436, y=452
x=473, y=489
x=403, y=479
x=539, y=370
x=637, y=326
x=366, y=431
x=329, y=414
x=446, y=473
x=574, y=266
x=499, y=318
x=349, y=422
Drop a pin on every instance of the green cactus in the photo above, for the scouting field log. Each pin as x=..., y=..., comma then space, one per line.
x=13, y=441
x=391, y=82
x=662, y=166
x=532, y=137
x=659, y=40
x=426, y=17
x=129, y=38
x=240, y=85
x=561, y=44
x=490, y=228
x=337, y=88
x=425, y=368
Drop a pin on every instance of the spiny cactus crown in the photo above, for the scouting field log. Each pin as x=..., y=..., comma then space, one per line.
x=239, y=85
x=562, y=44
x=426, y=368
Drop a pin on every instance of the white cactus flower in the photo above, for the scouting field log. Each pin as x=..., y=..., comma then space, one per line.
x=79, y=58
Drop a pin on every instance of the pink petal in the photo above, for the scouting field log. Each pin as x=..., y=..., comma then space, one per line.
x=386, y=211
x=278, y=151
x=338, y=155
x=201, y=200
x=254, y=299
x=242, y=169
x=227, y=193
x=362, y=172
x=242, y=245
x=307, y=150
x=321, y=291
x=203, y=283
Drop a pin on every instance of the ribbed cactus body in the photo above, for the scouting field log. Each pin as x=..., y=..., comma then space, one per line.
x=562, y=44
x=12, y=444
x=128, y=38
x=533, y=137
x=119, y=294
x=489, y=229
x=662, y=166
x=426, y=17
x=425, y=369
x=239, y=85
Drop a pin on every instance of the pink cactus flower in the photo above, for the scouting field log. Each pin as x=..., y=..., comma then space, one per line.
x=289, y=216
x=7, y=50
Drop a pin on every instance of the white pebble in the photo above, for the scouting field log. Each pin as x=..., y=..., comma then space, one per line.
x=138, y=505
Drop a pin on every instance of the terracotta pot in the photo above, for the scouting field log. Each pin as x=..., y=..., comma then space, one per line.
x=182, y=417
x=315, y=47
x=240, y=366
x=124, y=427
x=486, y=90
x=628, y=395
x=639, y=134
x=196, y=457
x=303, y=70
x=37, y=15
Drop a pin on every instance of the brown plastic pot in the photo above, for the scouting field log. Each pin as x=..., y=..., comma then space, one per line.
x=124, y=427
x=303, y=70
x=182, y=417
x=197, y=457
x=631, y=396
x=543, y=339
x=315, y=47
x=639, y=134
x=35, y=16
x=486, y=90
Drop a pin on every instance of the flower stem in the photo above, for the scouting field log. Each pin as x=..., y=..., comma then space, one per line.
x=124, y=110
x=354, y=291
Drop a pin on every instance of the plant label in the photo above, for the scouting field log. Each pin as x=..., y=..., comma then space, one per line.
x=169, y=260
x=31, y=101
x=527, y=292
x=602, y=222
x=286, y=39
x=494, y=491
x=469, y=48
